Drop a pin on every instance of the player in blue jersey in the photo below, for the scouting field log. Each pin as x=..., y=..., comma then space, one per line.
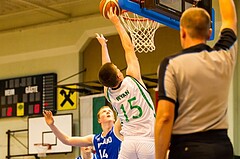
x=129, y=97
x=107, y=144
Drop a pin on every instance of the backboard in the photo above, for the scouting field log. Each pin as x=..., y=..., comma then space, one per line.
x=167, y=12
x=40, y=133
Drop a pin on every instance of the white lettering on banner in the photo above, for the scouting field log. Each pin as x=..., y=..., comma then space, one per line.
x=105, y=141
x=31, y=89
x=9, y=92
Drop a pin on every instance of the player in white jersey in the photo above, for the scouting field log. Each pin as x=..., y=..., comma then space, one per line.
x=135, y=107
x=129, y=98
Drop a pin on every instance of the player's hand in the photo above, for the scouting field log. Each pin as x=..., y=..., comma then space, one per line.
x=113, y=16
x=48, y=117
x=101, y=39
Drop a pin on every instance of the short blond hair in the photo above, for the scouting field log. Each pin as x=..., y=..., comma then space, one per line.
x=106, y=106
x=98, y=114
x=197, y=22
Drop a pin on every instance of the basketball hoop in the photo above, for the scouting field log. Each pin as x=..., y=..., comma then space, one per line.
x=142, y=31
x=42, y=149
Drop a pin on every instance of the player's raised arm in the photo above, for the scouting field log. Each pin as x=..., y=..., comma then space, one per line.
x=105, y=55
x=228, y=14
x=103, y=42
x=133, y=68
x=65, y=139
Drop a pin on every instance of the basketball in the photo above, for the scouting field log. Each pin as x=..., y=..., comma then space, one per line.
x=105, y=6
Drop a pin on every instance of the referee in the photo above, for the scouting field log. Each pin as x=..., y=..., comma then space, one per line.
x=193, y=89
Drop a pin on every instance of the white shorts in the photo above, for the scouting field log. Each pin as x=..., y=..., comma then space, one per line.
x=137, y=148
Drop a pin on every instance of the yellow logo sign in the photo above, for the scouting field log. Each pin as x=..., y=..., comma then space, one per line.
x=20, y=109
x=67, y=98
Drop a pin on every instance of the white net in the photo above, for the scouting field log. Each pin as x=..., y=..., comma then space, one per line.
x=142, y=31
x=42, y=149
